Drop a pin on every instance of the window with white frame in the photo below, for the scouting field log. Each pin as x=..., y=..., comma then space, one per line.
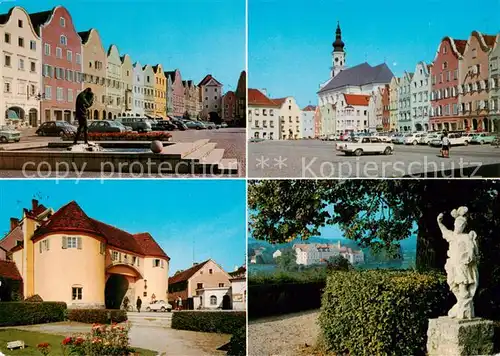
x=115, y=256
x=62, y=22
x=48, y=92
x=7, y=87
x=76, y=293
x=70, y=95
x=58, y=52
x=156, y=262
x=69, y=56
x=71, y=241
x=33, y=45
x=44, y=245
x=63, y=40
x=21, y=64
x=78, y=58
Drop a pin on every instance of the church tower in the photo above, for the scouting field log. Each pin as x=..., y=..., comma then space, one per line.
x=338, y=54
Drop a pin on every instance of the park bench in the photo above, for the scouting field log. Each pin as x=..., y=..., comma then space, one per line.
x=15, y=345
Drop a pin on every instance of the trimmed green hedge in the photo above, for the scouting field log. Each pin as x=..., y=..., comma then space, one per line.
x=283, y=298
x=381, y=312
x=97, y=316
x=28, y=313
x=238, y=343
x=224, y=322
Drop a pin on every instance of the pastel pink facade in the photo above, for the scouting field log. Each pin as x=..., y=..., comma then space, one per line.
x=444, y=86
x=317, y=122
x=473, y=82
x=61, y=61
x=177, y=88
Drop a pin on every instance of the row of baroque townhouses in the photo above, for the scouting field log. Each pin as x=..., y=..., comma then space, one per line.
x=46, y=62
x=459, y=90
x=279, y=119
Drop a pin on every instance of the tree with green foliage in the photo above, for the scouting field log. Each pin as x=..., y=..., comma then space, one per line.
x=287, y=261
x=338, y=263
x=380, y=213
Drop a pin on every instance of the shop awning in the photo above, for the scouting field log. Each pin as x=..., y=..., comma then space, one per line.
x=12, y=115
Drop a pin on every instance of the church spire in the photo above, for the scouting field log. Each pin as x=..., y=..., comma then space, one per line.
x=338, y=45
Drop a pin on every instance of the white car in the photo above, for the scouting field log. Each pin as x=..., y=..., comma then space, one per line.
x=426, y=140
x=159, y=305
x=362, y=145
x=413, y=138
x=457, y=139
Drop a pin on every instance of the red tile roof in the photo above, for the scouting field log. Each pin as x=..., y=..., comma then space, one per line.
x=72, y=218
x=309, y=108
x=257, y=98
x=205, y=80
x=239, y=273
x=149, y=245
x=279, y=101
x=357, y=99
x=185, y=275
x=9, y=270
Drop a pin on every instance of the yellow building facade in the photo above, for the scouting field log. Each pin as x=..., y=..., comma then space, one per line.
x=67, y=256
x=160, y=110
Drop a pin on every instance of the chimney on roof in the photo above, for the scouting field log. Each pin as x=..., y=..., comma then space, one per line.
x=14, y=222
x=34, y=204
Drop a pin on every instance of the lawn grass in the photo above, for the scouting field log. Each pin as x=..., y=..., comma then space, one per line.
x=31, y=339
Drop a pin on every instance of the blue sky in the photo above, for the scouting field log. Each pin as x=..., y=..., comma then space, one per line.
x=290, y=42
x=210, y=213
x=196, y=36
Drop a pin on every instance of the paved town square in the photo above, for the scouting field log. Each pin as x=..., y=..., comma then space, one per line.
x=319, y=159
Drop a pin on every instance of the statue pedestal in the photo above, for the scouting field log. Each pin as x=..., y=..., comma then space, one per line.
x=455, y=337
x=82, y=147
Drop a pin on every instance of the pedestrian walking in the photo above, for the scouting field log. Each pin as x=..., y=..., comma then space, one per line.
x=138, y=304
x=179, y=303
x=84, y=101
x=445, y=149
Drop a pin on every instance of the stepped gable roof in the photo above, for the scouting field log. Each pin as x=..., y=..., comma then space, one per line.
x=72, y=218
x=257, y=98
x=309, y=108
x=357, y=99
x=40, y=18
x=185, y=275
x=149, y=245
x=84, y=35
x=359, y=75
x=209, y=77
x=9, y=270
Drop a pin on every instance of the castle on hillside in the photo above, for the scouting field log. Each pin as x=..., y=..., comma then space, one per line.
x=312, y=254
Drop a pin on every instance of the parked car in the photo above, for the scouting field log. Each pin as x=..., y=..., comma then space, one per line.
x=483, y=138
x=398, y=138
x=159, y=305
x=139, y=124
x=413, y=138
x=163, y=125
x=209, y=125
x=223, y=125
x=254, y=139
x=106, y=126
x=180, y=124
x=198, y=125
x=9, y=134
x=361, y=145
x=425, y=140
x=55, y=128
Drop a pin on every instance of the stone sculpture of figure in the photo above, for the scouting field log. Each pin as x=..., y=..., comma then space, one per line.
x=461, y=265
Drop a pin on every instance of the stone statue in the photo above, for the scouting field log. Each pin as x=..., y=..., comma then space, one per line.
x=461, y=266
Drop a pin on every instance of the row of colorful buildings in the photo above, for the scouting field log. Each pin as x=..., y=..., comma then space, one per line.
x=46, y=62
x=278, y=119
x=459, y=90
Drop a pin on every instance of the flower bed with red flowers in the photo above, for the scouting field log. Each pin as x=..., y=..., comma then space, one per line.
x=123, y=136
x=102, y=340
